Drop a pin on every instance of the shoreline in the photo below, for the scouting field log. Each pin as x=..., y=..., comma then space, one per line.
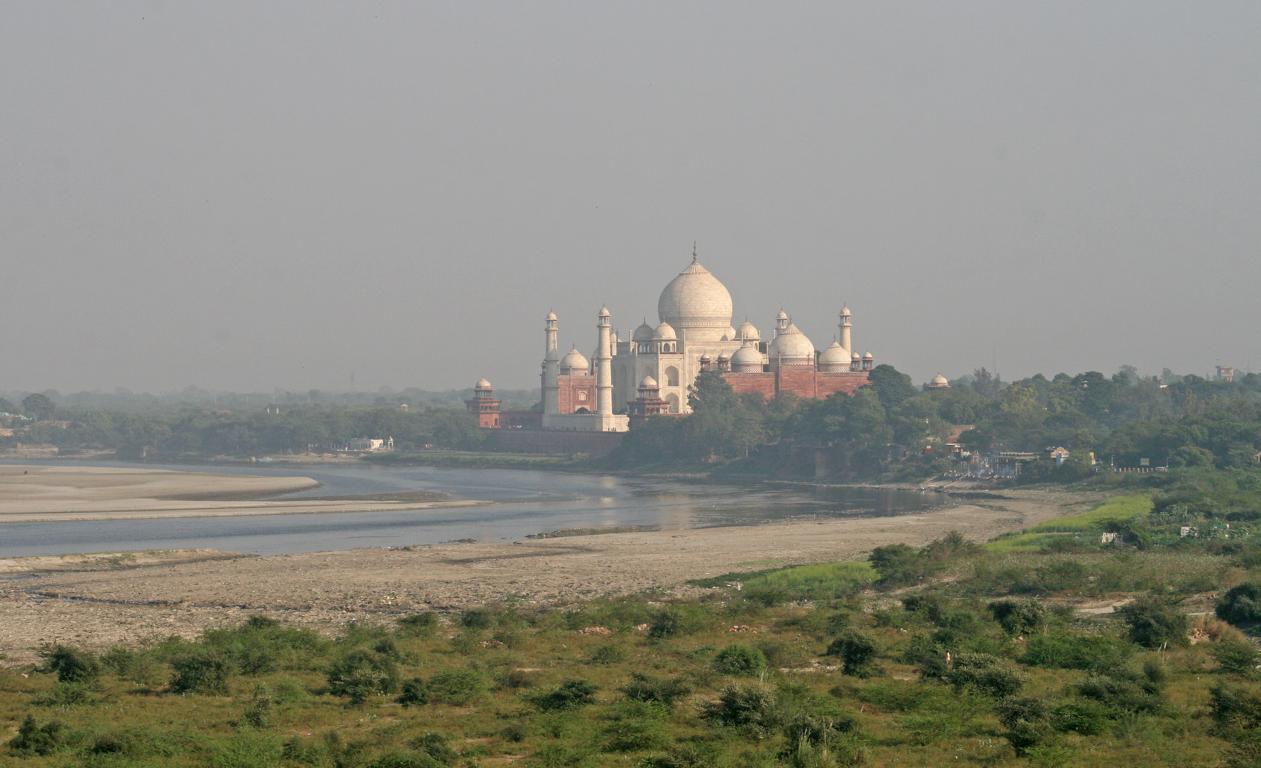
x=98, y=600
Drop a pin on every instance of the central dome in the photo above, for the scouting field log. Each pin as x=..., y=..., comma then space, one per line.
x=696, y=302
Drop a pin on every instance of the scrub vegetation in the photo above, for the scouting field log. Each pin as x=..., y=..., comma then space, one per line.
x=1069, y=651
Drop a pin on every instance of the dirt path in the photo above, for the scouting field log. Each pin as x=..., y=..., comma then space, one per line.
x=103, y=599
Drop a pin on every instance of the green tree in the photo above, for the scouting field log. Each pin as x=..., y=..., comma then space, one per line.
x=38, y=406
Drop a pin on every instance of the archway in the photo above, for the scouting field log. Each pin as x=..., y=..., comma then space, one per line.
x=672, y=377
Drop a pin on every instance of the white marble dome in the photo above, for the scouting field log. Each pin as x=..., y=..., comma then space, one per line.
x=792, y=347
x=698, y=303
x=747, y=359
x=748, y=332
x=648, y=382
x=643, y=332
x=482, y=384
x=574, y=361
x=664, y=332
x=833, y=359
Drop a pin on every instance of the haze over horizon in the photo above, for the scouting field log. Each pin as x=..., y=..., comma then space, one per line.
x=249, y=197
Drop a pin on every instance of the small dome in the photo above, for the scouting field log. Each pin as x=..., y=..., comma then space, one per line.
x=856, y=356
x=747, y=359
x=664, y=332
x=792, y=347
x=939, y=382
x=648, y=383
x=573, y=360
x=482, y=384
x=604, y=312
x=643, y=332
x=845, y=311
x=722, y=356
x=730, y=335
x=834, y=358
x=551, y=315
x=748, y=332
x=706, y=358
x=869, y=356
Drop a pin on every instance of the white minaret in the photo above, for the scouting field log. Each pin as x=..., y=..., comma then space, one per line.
x=604, y=366
x=847, y=325
x=551, y=367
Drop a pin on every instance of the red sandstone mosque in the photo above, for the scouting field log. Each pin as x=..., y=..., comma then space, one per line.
x=650, y=374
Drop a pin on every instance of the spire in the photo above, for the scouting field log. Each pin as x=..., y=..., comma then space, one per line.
x=693, y=251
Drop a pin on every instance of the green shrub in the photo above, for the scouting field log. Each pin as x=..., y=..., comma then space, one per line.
x=455, y=686
x=897, y=565
x=984, y=674
x=362, y=673
x=418, y=623
x=1065, y=650
x=204, y=673
x=1241, y=605
x=634, y=727
x=35, y=739
x=687, y=755
x=70, y=665
x=67, y=695
x=751, y=707
x=740, y=660
x=1125, y=693
x=261, y=645
x=405, y=760
x=653, y=689
x=249, y=749
x=414, y=693
x=477, y=618
x=675, y=621
x=570, y=694
x=1235, y=707
x=1237, y=656
x=856, y=652
x=1018, y=617
x=1027, y=722
x=135, y=666
x=1089, y=718
x=605, y=655
x=1154, y=622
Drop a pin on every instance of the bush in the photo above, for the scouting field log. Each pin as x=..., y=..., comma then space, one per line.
x=477, y=618
x=1089, y=718
x=1027, y=721
x=1235, y=708
x=249, y=749
x=690, y=755
x=1123, y=693
x=674, y=621
x=418, y=623
x=362, y=673
x=455, y=686
x=414, y=693
x=1241, y=605
x=856, y=652
x=740, y=660
x=67, y=695
x=35, y=739
x=607, y=654
x=1154, y=622
x=1064, y=650
x=659, y=690
x=71, y=665
x=982, y=673
x=635, y=726
x=1237, y=656
x=1021, y=617
x=897, y=565
x=751, y=707
x=206, y=673
x=568, y=695
x=261, y=645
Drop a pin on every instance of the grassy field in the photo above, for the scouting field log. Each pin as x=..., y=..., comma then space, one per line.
x=1117, y=510
x=954, y=653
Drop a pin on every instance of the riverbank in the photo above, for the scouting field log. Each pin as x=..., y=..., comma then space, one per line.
x=42, y=493
x=96, y=601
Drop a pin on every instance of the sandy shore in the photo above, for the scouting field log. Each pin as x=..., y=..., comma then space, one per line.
x=96, y=600
x=31, y=494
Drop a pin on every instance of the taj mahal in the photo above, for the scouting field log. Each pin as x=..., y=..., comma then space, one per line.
x=649, y=375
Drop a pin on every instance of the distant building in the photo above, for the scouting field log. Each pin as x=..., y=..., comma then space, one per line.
x=1225, y=373
x=938, y=382
x=370, y=444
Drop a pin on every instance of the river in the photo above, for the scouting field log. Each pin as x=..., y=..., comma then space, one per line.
x=522, y=503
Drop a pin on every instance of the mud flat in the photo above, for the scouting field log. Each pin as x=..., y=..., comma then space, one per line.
x=30, y=494
x=97, y=600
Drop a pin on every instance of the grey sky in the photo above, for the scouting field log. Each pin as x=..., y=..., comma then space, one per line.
x=258, y=195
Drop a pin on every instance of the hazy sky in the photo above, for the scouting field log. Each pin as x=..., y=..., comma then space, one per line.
x=244, y=195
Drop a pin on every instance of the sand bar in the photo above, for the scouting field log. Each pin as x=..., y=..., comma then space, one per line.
x=38, y=494
x=103, y=599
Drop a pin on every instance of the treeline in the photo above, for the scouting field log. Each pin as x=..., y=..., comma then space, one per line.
x=894, y=429
x=196, y=433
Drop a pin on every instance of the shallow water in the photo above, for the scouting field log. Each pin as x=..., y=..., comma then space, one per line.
x=526, y=502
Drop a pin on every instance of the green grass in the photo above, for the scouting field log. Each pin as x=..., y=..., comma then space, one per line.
x=818, y=581
x=1071, y=529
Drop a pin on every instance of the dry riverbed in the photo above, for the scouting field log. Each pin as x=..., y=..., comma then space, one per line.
x=97, y=600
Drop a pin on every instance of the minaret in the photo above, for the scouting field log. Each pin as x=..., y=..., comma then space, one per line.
x=551, y=367
x=604, y=366
x=847, y=325
x=781, y=322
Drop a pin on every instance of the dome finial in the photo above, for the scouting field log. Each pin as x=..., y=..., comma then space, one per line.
x=693, y=251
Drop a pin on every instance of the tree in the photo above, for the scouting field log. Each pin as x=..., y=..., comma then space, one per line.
x=38, y=406
x=892, y=386
x=1154, y=622
x=7, y=407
